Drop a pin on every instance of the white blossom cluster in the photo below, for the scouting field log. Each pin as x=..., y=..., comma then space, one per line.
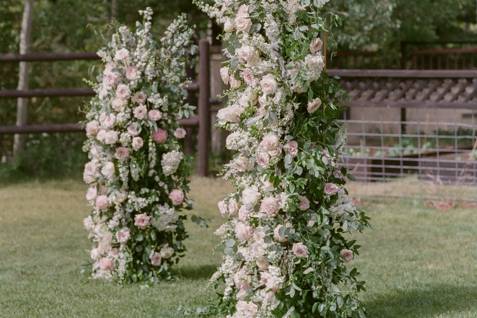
x=136, y=175
x=274, y=68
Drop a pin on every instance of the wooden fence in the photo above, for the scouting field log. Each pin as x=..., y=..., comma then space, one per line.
x=402, y=89
x=202, y=85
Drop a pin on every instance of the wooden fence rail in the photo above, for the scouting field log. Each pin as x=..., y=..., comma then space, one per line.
x=202, y=120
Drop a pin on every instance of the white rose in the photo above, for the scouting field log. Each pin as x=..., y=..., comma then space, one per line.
x=167, y=252
x=234, y=83
x=313, y=105
x=230, y=114
x=316, y=45
x=170, y=162
x=314, y=65
x=228, y=26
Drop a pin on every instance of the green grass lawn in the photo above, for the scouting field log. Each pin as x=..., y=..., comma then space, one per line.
x=418, y=262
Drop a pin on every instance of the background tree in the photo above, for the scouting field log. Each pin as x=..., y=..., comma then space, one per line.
x=22, y=103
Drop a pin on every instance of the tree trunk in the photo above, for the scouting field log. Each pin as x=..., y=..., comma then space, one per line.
x=22, y=103
x=114, y=9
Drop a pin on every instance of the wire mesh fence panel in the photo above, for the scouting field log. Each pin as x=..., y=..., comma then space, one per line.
x=435, y=155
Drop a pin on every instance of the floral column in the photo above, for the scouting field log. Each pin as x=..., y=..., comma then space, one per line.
x=137, y=174
x=287, y=249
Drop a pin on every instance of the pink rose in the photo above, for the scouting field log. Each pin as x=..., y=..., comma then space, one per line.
x=292, y=148
x=233, y=207
x=270, y=143
x=263, y=159
x=242, y=20
x=102, y=202
x=110, y=78
x=123, y=235
x=123, y=91
x=142, y=220
x=137, y=143
x=300, y=250
x=248, y=77
x=106, y=264
x=154, y=115
x=156, y=259
x=279, y=235
x=140, y=112
x=132, y=73
x=248, y=55
x=246, y=309
x=121, y=55
x=270, y=206
x=331, y=189
x=111, y=137
x=134, y=129
x=118, y=104
x=160, y=136
x=92, y=128
x=176, y=196
x=122, y=153
x=180, y=133
x=304, y=203
x=268, y=84
x=139, y=98
x=243, y=231
x=347, y=255
x=223, y=208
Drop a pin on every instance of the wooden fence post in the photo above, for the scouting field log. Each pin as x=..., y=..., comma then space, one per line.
x=204, y=108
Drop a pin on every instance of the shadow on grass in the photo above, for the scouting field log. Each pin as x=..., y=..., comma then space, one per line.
x=427, y=302
x=196, y=272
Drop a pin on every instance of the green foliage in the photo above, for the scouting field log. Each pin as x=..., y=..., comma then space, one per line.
x=47, y=156
x=383, y=24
